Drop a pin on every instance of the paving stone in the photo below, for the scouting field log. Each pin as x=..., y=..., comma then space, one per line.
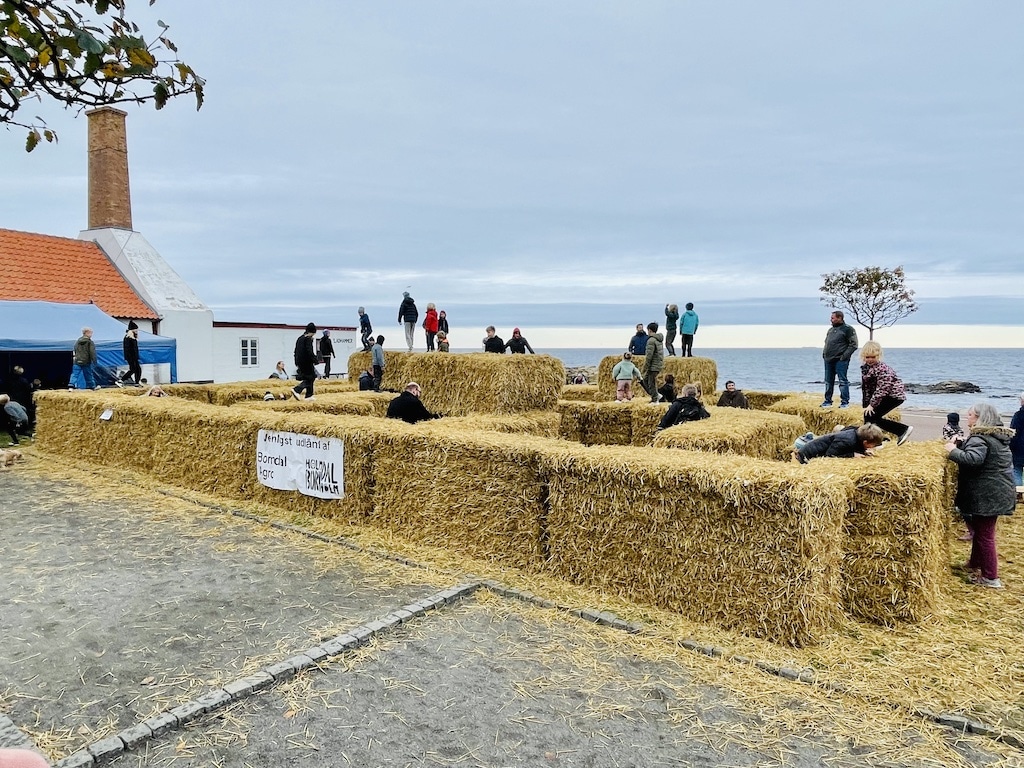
x=104, y=749
x=135, y=735
x=789, y=673
x=213, y=700
x=334, y=647
x=78, y=760
x=403, y=615
x=280, y=671
x=952, y=721
x=161, y=724
x=260, y=680
x=237, y=689
x=414, y=608
x=299, y=662
x=187, y=712
x=316, y=653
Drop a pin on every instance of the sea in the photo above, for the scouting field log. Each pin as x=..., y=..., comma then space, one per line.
x=999, y=373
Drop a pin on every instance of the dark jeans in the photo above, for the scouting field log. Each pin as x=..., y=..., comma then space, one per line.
x=670, y=337
x=134, y=372
x=687, y=350
x=430, y=340
x=834, y=368
x=327, y=367
x=650, y=385
x=983, y=545
x=887, y=404
x=306, y=379
x=367, y=341
x=378, y=375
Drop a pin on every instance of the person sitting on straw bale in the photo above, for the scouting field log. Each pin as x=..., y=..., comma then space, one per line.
x=493, y=342
x=624, y=372
x=366, y=380
x=847, y=443
x=156, y=391
x=984, y=488
x=280, y=372
x=686, y=407
x=667, y=391
x=442, y=342
x=732, y=397
x=408, y=407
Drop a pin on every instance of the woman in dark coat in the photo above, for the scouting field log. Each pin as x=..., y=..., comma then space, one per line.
x=985, y=487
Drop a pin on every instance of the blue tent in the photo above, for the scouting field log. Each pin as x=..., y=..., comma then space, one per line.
x=51, y=328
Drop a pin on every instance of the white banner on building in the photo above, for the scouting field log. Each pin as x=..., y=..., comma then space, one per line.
x=314, y=466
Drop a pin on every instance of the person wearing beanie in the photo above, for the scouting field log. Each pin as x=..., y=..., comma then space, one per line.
x=518, y=345
x=326, y=352
x=305, y=363
x=952, y=429
x=130, y=347
x=407, y=316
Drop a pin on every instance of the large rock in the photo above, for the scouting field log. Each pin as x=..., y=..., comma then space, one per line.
x=942, y=388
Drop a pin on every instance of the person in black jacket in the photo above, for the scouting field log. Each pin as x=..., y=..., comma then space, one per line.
x=846, y=443
x=365, y=330
x=518, y=344
x=686, y=407
x=326, y=352
x=408, y=407
x=305, y=363
x=407, y=316
x=130, y=347
x=493, y=342
x=22, y=392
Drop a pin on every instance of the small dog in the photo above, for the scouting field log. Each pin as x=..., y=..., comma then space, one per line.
x=7, y=458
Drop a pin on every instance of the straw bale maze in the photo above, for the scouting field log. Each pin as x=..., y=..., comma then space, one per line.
x=710, y=519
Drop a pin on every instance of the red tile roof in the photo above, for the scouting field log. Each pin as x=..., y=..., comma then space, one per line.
x=46, y=268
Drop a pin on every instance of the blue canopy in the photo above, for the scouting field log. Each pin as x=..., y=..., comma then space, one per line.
x=46, y=326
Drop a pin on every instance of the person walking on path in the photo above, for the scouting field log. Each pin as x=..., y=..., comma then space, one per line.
x=840, y=344
x=305, y=363
x=326, y=352
x=407, y=316
x=518, y=345
x=671, y=323
x=654, y=361
x=1017, y=442
x=365, y=330
x=638, y=342
x=882, y=391
x=984, y=488
x=377, y=361
x=130, y=347
x=688, y=328
x=430, y=325
x=623, y=373
x=82, y=376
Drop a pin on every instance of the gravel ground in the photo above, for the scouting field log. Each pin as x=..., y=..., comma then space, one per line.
x=120, y=605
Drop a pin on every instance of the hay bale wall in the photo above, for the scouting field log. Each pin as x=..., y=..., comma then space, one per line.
x=587, y=392
x=603, y=423
x=758, y=434
x=685, y=369
x=462, y=384
x=821, y=420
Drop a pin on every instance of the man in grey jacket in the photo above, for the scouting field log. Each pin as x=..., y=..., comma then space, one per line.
x=840, y=344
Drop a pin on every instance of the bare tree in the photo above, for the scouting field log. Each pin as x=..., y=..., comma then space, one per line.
x=874, y=296
x=51, y=51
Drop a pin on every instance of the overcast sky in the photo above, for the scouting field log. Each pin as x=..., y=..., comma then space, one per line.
x=572, y=154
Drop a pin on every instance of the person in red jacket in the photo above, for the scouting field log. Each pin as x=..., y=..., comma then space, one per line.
x=430, y=326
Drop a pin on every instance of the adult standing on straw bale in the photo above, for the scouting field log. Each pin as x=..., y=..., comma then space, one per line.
x=493, y=342
x=518, y=345
x=638, y=342
x=326, y=352
x=430, y=325
x=82, y=376
x=840, y=344
x=846, y=443
x=1017, y=442
x=408, y=407
x=686, y=407
x=624, y=372
x=882, y=391
x=407, y=316
x=984, y=488
x=654, y=361
x=377, y=361
x=365, y=330
x=688, y=329
x=732, y=397
x=130, y=348
x=671, y=324
x=305, y=363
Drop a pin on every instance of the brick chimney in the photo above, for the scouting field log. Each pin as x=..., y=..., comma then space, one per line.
x=110, y=201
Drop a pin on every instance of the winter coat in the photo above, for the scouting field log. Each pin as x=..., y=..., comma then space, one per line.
x=689, y=322
x=430, y=321
x=624, y=370
x=377, y=356
x=518, y=345
x=85, y=351
x=305, y=357
x=654, y=356
x=637, y=344
x=840, y=343
x=409, y=408
x=734, y=399
x=364, y=323
x=442, y=324
x=878, y=381
x=683, y=409
x=671, y=318
x=839, y=445
x=494, y=344
x=130, y=347
x=1017, y=441
x=326, y=347
x=407, y=312
x=985, y=486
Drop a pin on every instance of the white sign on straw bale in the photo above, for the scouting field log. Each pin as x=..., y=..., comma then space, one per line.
x=311, y=465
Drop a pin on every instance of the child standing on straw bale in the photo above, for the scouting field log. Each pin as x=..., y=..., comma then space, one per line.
x=882, y=391
x=671, y=324
x=624, y=372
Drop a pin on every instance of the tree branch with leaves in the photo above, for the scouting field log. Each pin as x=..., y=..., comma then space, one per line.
x=874, y=297
x=51, y=51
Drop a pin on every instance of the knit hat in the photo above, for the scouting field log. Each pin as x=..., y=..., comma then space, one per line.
x=327, y=332
x=311, y=328
x=515, y=330
x=405, y=295
x=269, y=395
x=953, y=418
x=132, y=325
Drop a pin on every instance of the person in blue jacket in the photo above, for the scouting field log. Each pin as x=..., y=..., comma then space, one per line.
x=687, y=328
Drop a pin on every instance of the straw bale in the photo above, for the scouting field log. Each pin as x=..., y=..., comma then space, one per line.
x=606, y=423
x=241, y=391
x=758, y=434
x=896, y=544
x=540, y=423
x=685, y=369
x=484, y=493
x=201, y=393
x=760, y=401
x=337, y=403
x=395, y=374
x=747, y=545
x=588, y=392
x=821, y=420
x=458, y=385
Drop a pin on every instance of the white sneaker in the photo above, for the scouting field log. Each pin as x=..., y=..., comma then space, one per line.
x=296, y=395
x=981, y=581
x=118, y=383
x=905, y=436
x=307, y=399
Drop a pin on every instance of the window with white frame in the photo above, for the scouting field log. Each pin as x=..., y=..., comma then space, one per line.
x=250, y=353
